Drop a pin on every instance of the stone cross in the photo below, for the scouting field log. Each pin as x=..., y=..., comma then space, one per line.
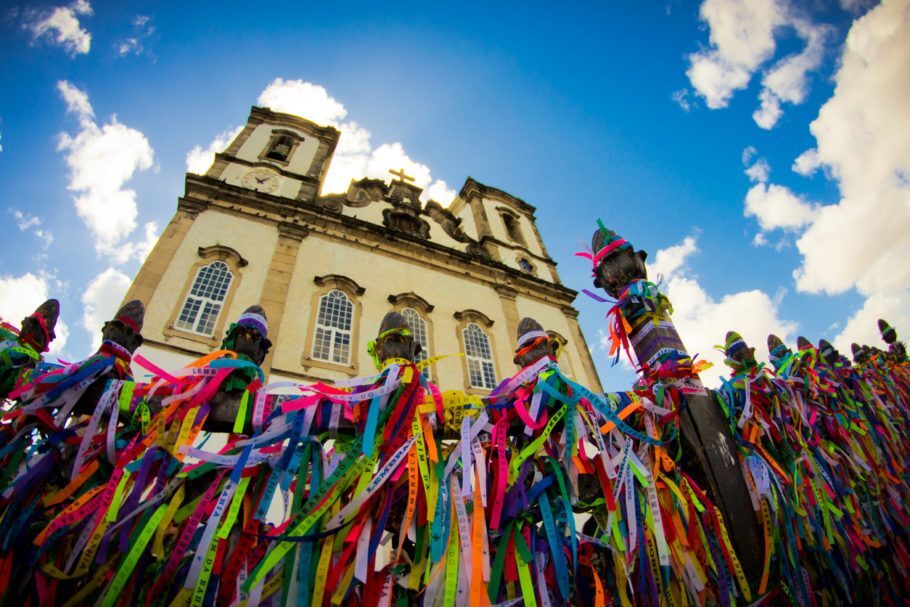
x=402, y=177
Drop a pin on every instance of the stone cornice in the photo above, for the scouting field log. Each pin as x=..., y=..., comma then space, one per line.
x=473, y=315
x=328, y=134
x=411, y=297
x=337, y=278
x=190, y=206
x=261, y=165
x=506, y=291
x=516, y=247
x=569, y=311
x=472, y=185
x=213, y=194
x=293, y=230
x=221, y=250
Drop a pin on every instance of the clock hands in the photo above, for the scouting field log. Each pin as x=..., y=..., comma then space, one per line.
x=254, y=179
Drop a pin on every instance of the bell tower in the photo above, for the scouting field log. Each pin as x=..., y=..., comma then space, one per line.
x=277, y=154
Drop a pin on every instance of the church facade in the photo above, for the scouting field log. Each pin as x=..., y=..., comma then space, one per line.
x=255, y=230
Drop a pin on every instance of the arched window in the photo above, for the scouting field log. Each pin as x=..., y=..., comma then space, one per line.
x=418, y=328
x=479, y=356
x=334, y=322
x=280, y=148
x=205, y=299
x=512, y=225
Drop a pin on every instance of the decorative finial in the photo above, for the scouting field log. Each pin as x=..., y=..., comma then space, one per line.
x=394, y=340
x=533, y=343
x=125, y=329
x=249, y=335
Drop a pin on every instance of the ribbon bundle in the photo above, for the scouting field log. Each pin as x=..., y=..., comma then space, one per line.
x=378, y=490
x=824, y=449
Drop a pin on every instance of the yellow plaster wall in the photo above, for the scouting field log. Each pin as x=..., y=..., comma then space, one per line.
x=253, y=240
x=382, y=275
x=303, y=154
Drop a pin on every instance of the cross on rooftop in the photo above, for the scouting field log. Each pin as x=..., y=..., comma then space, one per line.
x=402, y=177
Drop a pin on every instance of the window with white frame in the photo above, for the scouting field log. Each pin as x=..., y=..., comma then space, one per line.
x=479, y=357
x=206, y=297
x=333, y=328
x=418, y=328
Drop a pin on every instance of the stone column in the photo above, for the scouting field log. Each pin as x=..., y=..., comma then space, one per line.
x=508, y=298
x=278, y=279
x=584, y=352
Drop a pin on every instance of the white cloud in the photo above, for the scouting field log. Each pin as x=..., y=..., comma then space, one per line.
x=77, y=103
x=742, y=39
x=302, y=98
x=668, y=262
x=786, y=81
x=806, y=163
x=742, y=30
x=776, y=207
x=61, y=24
x=862, y=327
x=863, y=241
x=681, y=98
x=20, y=295
x=1, y=146
x=759, y=171
x=355, y=157
x=199, y=160
x=769, y=112
x=134, y=43
x=101, y=300
x=715, y=79
x=136, y=249
x=856, y=6
x=440, y=192
x=30, y=223
x=703, y=321
x=129, y=45
x=101, y=160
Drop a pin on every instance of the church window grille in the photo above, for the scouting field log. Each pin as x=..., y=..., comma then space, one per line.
x=333, y=328
x=418, y=328
x=525, y=265
x=280, y=148
x=479, y=356
x=206, y=297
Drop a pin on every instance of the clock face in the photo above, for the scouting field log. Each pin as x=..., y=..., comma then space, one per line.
x=261, y=181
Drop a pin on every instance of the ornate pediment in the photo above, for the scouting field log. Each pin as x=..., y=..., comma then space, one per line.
x=403, y=212
x=365, y=191
x=405, y=218
x=447, y=221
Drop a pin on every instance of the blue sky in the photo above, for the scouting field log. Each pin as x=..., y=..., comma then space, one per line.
x=647, y=115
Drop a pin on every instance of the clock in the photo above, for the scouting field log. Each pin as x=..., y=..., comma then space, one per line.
x=261, y=181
